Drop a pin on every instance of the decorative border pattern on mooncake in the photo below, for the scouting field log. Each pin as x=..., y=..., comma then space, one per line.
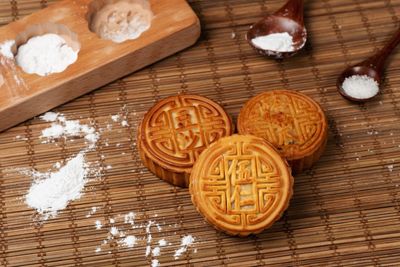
x=241, y=185
x=176, y=130
x=294, y=123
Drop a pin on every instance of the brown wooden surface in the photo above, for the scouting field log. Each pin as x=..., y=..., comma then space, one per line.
x=345, y=212
x=174, y=27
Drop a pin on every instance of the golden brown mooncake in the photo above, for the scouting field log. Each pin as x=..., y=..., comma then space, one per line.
x=293, y=122
x=241, y=185
x=176, y=130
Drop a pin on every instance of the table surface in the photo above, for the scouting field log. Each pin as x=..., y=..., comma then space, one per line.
x=345, y=211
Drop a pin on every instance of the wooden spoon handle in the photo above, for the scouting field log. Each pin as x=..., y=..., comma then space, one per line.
x=293, y=9
x=378, y=60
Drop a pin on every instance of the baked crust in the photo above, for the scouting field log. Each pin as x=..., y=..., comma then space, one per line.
x=293, y=122
x=241, y=185
x=176, y=130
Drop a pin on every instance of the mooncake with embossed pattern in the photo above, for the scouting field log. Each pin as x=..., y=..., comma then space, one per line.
x=241, y=185
x=175, y=131
x=293, y=122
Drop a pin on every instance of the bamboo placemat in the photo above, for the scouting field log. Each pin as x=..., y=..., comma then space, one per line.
x=345, y=211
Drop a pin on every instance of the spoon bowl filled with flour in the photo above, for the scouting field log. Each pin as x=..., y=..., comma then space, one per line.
x=282, y=34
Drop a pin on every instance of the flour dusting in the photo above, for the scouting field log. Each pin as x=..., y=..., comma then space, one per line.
x=45, y=54
x=98, y=224
x=129, y=241
x=146, y=235
x=51, y=192
x=49, y=116
x=61, y=127
x=92, y=211
x=5, y=49
x=186, y=242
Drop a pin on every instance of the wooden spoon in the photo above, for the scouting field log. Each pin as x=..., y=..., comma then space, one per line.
x=290, y=19
x=373, y=67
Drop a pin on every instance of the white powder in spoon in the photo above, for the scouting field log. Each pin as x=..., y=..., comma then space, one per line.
x=45, y=54
x=360, y=86
x=277, y=42
x=52, y=192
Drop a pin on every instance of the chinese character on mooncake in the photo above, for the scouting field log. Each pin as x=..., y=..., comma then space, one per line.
x=241, y=185
x=176, y=130
x=294, y=123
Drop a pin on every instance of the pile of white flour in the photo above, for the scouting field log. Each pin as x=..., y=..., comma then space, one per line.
x=5, y=49
x=276, y=42
x=45, y=54
x=52, y=192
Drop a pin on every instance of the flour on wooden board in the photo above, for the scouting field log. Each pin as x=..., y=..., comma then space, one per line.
x=45, y=54
x=10, y=78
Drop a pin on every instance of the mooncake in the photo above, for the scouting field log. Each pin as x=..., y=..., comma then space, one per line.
x=176, y=130
x=241, y=185
x=293, y=122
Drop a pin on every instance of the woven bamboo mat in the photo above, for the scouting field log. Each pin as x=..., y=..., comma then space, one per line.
x=345, y=211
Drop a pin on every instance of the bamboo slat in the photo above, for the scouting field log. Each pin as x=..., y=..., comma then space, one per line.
x=345, y=211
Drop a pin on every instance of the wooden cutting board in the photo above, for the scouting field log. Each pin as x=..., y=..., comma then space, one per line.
x=22, y=96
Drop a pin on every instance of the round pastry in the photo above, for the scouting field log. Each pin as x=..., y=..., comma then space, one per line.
x=176, y=130
x=241, y=185
x=294, y=123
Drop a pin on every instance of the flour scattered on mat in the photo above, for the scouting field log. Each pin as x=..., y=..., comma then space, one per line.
x=125, y=232
x=390, y=167
x=50, y=116
x=51, y=192
x=92, y=211
x=11, y=78
x=98, y=224
x=63, y=128
x=129, y=241
x=122, y=116
x=186, y=242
